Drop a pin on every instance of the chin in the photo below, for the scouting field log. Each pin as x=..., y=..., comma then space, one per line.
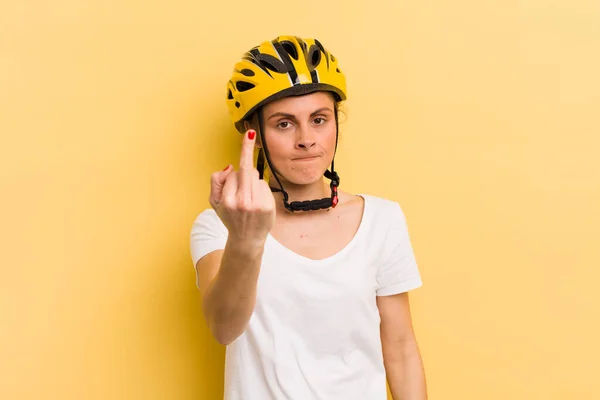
x=302, y=178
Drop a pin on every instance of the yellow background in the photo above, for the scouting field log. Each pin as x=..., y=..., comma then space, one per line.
x=482, y=118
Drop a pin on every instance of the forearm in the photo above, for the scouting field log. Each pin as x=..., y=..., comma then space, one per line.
x=231, y=297
x=405, y=373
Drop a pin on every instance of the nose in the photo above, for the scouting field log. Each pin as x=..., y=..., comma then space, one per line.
x=305, y=139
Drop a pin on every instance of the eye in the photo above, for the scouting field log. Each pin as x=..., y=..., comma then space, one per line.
x=319, y=120
x=284, y=125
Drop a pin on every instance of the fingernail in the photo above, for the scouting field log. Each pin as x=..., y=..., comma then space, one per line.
x=251, y=135
x=226, y=168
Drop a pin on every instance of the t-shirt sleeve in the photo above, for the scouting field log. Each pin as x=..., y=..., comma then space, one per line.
x=208, y=234
x=398, y=271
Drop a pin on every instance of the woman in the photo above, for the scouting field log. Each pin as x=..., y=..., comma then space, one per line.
x=306, y=284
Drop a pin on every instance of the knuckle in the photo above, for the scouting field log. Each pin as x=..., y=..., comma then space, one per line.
x=246, y=205
x=262, y=209
x=229, y=202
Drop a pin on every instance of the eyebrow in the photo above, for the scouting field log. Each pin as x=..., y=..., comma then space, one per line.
x=292, y=116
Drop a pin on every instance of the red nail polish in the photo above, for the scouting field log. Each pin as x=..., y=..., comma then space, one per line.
x=226, y=168
x=251, y=134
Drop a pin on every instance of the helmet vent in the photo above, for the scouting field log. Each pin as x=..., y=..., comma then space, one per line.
x=247, y=72
x=314, y=56
x=272, y=63
x=229, y=95
x=290, y=48
x=242, y=86
x=320, y=46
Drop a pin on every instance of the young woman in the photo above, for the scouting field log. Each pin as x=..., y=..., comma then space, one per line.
x=305, y=284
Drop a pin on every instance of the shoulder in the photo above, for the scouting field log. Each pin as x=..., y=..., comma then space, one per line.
x=376, y=203
x=208, y=234
x=208, y=220
x=385, y=218
x=383, y=208
x=207, y=215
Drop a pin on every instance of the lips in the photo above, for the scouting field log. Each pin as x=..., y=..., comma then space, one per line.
x=310, y=158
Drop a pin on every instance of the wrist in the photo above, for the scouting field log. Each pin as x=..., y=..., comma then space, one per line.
x=246, y=247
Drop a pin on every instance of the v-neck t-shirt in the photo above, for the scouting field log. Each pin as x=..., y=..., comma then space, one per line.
x=314, y=332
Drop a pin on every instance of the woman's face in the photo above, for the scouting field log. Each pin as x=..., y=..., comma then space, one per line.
x=300, y=132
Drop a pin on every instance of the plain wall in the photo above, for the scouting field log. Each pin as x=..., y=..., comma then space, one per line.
x=482, y=118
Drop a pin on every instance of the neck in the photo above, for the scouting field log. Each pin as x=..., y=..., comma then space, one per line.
x=313, y=191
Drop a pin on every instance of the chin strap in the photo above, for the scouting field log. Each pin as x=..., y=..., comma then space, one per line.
x=307, y=205
x=312, y=205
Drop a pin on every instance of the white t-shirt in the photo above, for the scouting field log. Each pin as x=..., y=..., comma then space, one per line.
x=314, y=333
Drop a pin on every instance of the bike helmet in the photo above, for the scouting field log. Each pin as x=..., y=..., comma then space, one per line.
x=285, y=66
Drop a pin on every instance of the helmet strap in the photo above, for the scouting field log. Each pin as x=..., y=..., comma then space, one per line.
x=307, y=205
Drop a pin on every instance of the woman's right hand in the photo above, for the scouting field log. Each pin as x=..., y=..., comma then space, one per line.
x=244, y=202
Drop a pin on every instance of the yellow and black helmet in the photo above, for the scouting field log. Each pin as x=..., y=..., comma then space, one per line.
x=285, y=66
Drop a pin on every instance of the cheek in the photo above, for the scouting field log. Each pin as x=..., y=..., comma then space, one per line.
x=278, y=145
x=331, y=138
